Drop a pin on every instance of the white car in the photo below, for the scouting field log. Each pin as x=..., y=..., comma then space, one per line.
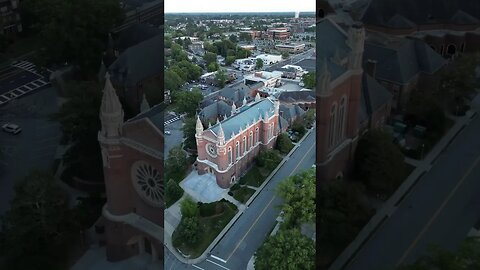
x=167, y=132
x=11, y=128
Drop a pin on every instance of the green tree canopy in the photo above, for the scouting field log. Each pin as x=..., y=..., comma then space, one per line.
x=245, y=37
x=189, y=133
x=221, y=77
x=188, y=208
x=230, y=59
x=74, y=31
x=284, y=144
x=212, y=67
x=309, y=80
x=189, y=230
x=187, y=101
x=285, y=55
x=80, y=124
x=288, y=249
x=259, y=64
x=210, y=57
x=466, y=257
x=173, y=81
x=379, y=163
x=176, y=161
x=233, y=38
x=268, y=159
x=38, y=225
x=298, y=194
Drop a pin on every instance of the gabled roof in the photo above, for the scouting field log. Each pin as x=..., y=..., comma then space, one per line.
x=332, y=42
x=155, y=115
x=297, y=96
x=374, y=94
x=214, y=109
x=138, y=62
x=248, y=115
x=290, y=112
x=401, y=59
x=421, y=12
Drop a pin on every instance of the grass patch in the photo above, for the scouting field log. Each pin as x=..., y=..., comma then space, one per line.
x=210, y=228
x=254, y=177
x=243, y=194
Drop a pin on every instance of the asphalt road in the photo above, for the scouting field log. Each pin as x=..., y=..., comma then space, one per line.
x=294, y=58
x=34, y=147
x=176, y=136
x=440, y=210
x=247, y=234
x=13, y=78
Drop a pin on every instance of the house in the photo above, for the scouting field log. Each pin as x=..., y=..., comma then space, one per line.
x=269, y=79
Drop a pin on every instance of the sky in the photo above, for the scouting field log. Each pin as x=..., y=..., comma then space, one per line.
x=208, y=6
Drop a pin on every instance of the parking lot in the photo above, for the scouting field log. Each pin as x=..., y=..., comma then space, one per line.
x=33, y=148
x=175, y=137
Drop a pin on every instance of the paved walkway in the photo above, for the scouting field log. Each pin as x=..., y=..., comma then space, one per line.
x=202, y=188
x=390, y=205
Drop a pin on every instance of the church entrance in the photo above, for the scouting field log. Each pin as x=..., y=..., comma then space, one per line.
x=209, y=170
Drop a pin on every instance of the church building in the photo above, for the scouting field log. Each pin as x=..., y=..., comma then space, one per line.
x=228, y=148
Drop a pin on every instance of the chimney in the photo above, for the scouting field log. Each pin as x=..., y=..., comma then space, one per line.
x=371, y=67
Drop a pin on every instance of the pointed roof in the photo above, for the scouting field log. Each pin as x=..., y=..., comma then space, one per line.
x=110, y=102
x=221, y=134
x=144, y=106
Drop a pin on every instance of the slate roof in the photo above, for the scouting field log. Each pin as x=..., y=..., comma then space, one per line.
x=250, y=113
x=135, y=34
x=374, y=94
x=138, y=62
x=399, y=60
x=155, y=114
x=290, y=112
x=421, y=12
x=308, y=64
x=297, y=96
x=332, y=42
x=214, y=109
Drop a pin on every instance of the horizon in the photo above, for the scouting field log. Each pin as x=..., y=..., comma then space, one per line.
x=245, y=6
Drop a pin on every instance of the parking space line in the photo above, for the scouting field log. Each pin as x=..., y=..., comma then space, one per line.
x=218, y=264
x=198, y=267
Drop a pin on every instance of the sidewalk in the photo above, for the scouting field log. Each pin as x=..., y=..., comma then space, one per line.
x=422, y=166
x=241, y=209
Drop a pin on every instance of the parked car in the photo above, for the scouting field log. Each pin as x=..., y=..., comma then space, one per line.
x=11, y=128
x=167, y=132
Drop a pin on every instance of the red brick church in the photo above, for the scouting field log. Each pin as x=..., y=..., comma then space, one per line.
x=228, y=148
x=132, y=153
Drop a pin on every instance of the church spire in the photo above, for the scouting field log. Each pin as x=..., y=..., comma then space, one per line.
x=234, y=108
x=144, y=106
x=257, y=97
x=199, y=126
x=221, y=134
x=111, y=112
x=244, y=101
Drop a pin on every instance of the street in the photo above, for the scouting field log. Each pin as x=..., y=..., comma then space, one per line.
x=440, y=210
x=34, y=147
x=248, y=233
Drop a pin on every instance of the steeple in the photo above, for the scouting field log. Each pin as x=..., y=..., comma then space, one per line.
x=144, y=106
x=221, y=134
x=199, y=126
x=277, y=106
x=218, y=121
x=257, y=97
x=244, y=101
x=324, y=86
x=111, y=112
x=356, y=40
x=234, y=108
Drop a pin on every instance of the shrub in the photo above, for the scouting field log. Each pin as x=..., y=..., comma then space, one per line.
x=210, y=209
x=284, y=144
x=188, y=208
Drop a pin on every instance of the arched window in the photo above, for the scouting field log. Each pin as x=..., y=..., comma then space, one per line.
x=256, y=135
x=244, y=145
x=237, y=150
x=230, y=156
x=250, y=139
x=331, y=131
x=341, y=118
x=272, y=131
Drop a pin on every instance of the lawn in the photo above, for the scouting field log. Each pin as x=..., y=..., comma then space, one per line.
x=210, y=228
x=243, y=194
x=255, y=176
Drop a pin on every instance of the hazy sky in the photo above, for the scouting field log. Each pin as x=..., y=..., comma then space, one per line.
x=173, y=6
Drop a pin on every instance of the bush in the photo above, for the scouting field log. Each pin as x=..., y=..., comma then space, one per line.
x=189, y=230
x=188, y=208
x=284, y=144
x=173, y=192
x=210, y=209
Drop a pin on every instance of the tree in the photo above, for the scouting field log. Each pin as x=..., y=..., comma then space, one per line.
x=343, y=211
x=189, y=133
x=309, y=80
x=242, y=53
x=221, y=77
x=189, y=230
x=467, y=256
x=298, y=194
x=244, y=36
x=259, y=64
x=230, y=60
x=268, y=159
x=310, y=117
x=187, y=101
x=299, y=126
x=284, y=144
x=80, y=124
x=210, y=57
x=212, y=67
x=288, y=249
x=80, y=39
x=379, y=163
x=173, y=82
x=177, y=161
x=188, y=208
x=173, y=192
x=38, y=225
x=285, y=55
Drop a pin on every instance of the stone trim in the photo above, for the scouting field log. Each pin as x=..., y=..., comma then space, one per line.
x=142, y=148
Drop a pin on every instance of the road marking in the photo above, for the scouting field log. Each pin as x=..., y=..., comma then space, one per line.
x=218, y=264
x=198, y=267
x=220, y=259
x=414, y=243
x=256, y=220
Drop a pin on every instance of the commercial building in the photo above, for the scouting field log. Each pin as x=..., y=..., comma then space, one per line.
x=269, y=79
x=281, y=33
x=291, y=47
x=269, y=59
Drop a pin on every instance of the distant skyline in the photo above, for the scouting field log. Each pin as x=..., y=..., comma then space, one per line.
x=213, y=6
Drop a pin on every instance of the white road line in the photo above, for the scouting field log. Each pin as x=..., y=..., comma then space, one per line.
x=198, y=267
x=218, y=264
x=220, y=259
x=28, y=87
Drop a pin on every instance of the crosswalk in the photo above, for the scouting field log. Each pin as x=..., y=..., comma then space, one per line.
x=169, y=121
